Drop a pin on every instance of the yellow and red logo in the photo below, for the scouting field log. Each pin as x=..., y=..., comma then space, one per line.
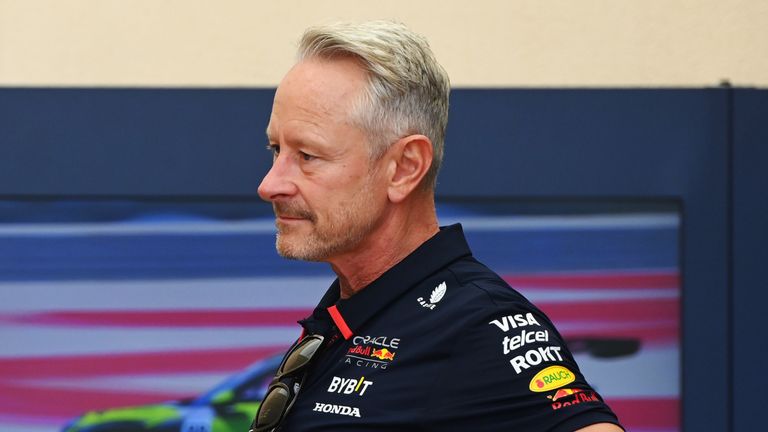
x=563, y=393
x=551, y=378
x=383, y=354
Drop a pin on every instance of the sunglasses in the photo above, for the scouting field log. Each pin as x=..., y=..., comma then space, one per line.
x=280, y=397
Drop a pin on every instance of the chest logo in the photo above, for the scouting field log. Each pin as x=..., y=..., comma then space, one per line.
x=337, y=409
x=349, y=385
x=437, y=294
x=372, y=351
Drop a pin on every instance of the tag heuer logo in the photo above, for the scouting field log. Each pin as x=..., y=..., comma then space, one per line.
x=434, y=298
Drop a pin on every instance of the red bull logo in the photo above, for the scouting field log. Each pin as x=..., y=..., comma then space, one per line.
x=383, y=354
x=568, y=397
x=563, y=393
x=360, y=350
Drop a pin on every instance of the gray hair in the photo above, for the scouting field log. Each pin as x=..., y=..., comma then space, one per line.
x=407, y=90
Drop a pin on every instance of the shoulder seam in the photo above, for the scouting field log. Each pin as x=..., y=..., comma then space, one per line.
x=488, y=295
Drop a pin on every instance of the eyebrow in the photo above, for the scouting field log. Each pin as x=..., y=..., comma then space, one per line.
x=300, y=140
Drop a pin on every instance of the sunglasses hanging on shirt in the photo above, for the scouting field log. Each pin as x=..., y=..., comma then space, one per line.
x=285, y=386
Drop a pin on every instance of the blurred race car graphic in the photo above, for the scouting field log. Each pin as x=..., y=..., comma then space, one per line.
x=228, y=407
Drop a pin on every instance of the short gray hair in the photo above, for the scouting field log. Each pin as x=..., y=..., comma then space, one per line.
x=407, y=90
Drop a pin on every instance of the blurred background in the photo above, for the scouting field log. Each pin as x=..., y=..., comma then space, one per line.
x=607, y=158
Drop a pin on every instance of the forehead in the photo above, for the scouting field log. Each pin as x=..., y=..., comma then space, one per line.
x=317, y=91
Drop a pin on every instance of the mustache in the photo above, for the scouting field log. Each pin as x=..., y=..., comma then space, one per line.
x=292, y=210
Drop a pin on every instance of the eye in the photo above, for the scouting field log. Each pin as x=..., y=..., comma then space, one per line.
x=306, y=157
x=274, y=149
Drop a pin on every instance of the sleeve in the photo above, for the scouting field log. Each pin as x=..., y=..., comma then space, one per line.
x=510, y=370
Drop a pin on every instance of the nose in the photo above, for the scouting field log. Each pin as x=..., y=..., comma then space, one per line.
x=278, y=182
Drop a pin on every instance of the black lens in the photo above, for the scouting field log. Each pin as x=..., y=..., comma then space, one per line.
x=301, y=355
x=272, y=407
x=279, y=398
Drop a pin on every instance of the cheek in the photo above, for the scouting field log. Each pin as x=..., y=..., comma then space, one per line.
x=341, y=185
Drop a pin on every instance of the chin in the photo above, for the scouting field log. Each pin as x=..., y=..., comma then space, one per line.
x=291, y=250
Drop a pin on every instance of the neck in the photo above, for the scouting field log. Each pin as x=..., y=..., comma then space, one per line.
x=401, y=232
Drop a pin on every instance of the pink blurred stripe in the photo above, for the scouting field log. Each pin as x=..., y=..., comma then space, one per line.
x=89, y=365
x=21, y=400
x=613, y=310
x=647, y=412
x=617, y=280
x=164, y=318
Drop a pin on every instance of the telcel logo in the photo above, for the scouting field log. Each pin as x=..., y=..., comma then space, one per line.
x=551, y=378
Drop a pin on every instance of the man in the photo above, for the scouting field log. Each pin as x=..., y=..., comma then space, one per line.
x=415, y=334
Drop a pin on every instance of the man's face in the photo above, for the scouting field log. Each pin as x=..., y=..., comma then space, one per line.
x=326, y=193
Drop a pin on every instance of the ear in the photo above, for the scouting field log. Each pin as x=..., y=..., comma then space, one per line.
x=410, y=159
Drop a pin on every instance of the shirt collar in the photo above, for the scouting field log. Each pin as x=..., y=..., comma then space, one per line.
x=350, y=314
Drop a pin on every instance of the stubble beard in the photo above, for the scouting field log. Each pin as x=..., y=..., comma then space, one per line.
x=344, y=230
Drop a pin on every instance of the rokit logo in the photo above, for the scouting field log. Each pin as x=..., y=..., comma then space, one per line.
x=437, y=294
x=336, y=409
x=372, y=352
x=349, y=386
x=534, y=356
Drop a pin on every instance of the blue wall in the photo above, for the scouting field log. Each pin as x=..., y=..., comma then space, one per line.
x=705, y=148
x=749, y=236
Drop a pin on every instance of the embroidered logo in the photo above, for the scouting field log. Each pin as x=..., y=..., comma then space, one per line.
x=568, y=397
x=349, y=385
x=437, y=294
x=337, y=409
x=551, y=378
x=366, y=349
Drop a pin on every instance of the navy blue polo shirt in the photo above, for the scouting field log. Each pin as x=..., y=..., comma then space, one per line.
x=440, y=343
